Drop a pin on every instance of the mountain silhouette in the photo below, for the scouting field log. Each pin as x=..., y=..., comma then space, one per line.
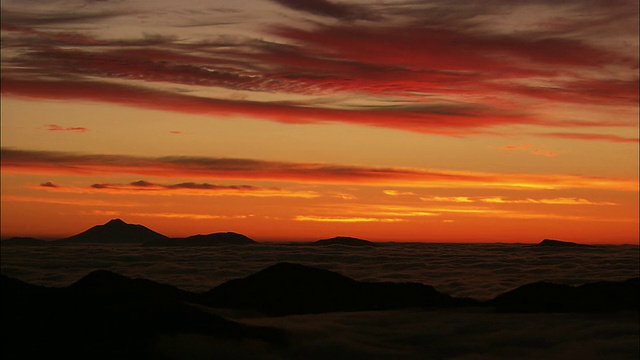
x=345, y=241
x=560, y=243
x=221, y=238
x=24, y=241
x=603, y=296
x=104, y=283
x=287, y=288
x=106, y=315
x=115, y=231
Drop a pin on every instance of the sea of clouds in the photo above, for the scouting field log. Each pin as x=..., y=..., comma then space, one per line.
x=475, y=270
x=481, y=271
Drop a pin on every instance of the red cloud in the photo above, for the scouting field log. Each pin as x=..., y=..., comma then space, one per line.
x=427, y=118
x=60, y=128
x=611, y=91
x=445, y=49
x=433, y=72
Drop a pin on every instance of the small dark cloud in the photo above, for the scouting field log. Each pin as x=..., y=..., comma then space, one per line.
x=142, y=183
x=100, y=186
x=50, y=184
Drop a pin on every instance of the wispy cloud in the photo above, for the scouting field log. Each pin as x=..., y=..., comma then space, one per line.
x=188, y=216
x=594, y=137
x=410, y=213
x=457, y=199
x=425, y=118
x=398, y=193
x=54, y=162
x=60, y=128
x=336, y=219
x=504, y=200
x=432, y=67
x=62, y=201
x=142, y=187
x=529, y=149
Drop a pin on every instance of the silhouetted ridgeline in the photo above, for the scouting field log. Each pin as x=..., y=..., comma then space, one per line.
x=343, y=240
x=223, y=238
x=28, y=241
x=560, y=243
x=287, y=288
x=591, y=297
x=108, y=315
x=116, y=231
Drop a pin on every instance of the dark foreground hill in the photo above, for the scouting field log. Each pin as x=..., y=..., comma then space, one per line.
x=221, y=238
x=115, y=231
x=603, y=296
x=287, y=288
x=343, y=240
x=106, y=315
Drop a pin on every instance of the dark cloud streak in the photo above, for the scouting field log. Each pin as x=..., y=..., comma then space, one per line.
x=53, y=127
x=341, y=11
x=142, y=185
x=54, y=162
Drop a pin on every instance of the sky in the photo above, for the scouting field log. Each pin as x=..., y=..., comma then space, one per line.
x=439, y=121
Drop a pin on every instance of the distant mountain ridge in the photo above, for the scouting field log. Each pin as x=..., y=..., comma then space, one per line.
x=29, y=241
x=560, y=243
x=344, y=240
x=116, y=231
x=221, y=238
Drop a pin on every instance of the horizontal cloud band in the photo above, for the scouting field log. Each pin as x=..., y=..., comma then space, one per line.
x=54, y=162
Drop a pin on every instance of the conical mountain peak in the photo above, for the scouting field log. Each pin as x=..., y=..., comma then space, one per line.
x=116, y=221
x=116, y=231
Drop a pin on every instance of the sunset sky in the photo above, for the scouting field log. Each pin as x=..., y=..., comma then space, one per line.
x=461, y=121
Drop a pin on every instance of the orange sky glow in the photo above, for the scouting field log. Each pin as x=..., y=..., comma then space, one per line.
x=289, y=120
